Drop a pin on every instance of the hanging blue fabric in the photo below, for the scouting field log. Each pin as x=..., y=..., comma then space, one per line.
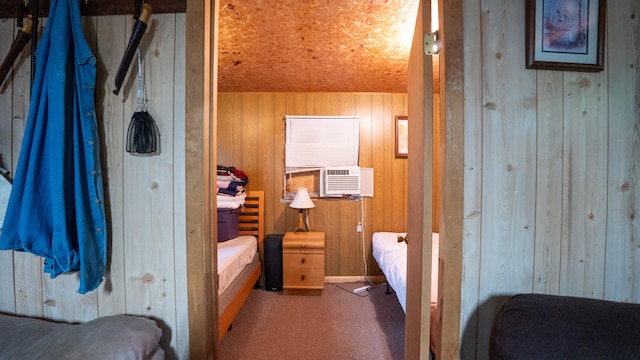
x=56, y=209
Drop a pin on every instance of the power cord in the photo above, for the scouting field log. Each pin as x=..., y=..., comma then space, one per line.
x=371, y=285
x=364, y=292
x=361, y=229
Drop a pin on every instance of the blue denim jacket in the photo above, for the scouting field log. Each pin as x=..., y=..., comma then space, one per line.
x=56, y=209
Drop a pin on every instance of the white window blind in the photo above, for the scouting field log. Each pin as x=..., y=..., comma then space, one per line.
x=313, y=142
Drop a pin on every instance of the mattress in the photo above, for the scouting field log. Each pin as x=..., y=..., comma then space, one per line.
x=233, y=256
x=225, y=298
x=391, y=257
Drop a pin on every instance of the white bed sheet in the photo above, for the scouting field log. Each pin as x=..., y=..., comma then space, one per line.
x=391, y=256
x=233, y=256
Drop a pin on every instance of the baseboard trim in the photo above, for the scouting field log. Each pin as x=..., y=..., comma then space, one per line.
x=346, y=279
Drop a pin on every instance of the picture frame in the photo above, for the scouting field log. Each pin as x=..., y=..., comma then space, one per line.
x=402, y=136
x=565, y=34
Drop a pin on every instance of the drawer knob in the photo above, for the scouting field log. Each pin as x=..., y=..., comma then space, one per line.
x=302, y=277
x=302, y=261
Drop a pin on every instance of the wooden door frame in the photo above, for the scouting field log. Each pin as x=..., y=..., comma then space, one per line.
x=200, y=159
x=419, y=225
x=452, y=118
x=420, y=175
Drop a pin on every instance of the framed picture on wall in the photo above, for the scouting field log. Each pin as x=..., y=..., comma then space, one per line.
x=402, y=136
x=565, y=34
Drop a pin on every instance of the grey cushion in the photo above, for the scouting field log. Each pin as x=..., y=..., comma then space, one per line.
x=112, y=337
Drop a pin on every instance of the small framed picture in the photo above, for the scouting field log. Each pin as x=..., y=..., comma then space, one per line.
x=402, y=136
x=565, y=34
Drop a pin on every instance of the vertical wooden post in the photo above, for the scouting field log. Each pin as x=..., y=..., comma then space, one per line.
x=201, y=93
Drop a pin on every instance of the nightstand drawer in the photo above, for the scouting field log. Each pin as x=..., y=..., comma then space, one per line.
x=297, y=278
x=303, y=246
x=303, y=260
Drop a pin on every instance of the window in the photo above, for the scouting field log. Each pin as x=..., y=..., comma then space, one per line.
x=314, y=142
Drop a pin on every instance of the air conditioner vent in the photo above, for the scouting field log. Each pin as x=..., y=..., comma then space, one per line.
x=337, y=172
x=346, y=184
x=337, y=181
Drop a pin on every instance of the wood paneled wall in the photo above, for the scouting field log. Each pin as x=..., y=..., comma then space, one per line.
x=551, y=167
x=144, y=195
x=251, y=138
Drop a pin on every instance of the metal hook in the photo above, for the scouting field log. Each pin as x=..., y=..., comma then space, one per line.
x=138, y=8
x=22, y=5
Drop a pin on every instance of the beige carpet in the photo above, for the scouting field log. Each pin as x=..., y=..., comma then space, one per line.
x=336, y=325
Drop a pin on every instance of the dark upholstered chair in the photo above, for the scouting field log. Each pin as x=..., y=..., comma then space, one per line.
x=535, y=326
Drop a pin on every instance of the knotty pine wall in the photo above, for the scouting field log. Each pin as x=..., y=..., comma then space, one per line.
x=144, y=195
x=552, y=162
x=251, y=138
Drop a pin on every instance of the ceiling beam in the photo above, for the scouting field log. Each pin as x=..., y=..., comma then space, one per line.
x=9, y=8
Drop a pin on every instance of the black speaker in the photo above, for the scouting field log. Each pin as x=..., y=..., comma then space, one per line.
x=273, y=262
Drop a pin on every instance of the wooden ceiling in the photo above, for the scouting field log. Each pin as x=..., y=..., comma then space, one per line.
x=315, y=45
x=297, y=45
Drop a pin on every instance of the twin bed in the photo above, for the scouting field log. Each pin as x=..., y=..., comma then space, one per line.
x=390, y=252
x=239, y=261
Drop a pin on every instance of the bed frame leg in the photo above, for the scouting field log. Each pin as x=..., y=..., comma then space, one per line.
x=388, y=290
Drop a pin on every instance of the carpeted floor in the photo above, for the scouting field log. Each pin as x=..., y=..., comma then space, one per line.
x=336, y=325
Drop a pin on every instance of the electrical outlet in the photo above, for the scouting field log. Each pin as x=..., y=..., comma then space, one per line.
x=359, y=227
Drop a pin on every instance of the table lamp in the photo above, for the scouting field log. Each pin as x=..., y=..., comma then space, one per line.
x=302, y=201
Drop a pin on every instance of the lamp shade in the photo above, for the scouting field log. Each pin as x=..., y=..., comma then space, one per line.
x=302, y=200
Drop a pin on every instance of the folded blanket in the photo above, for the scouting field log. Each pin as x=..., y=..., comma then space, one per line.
x=231, y=185
x=230, y=202
x=229, y=192
x=230, y=189
x=230, y=173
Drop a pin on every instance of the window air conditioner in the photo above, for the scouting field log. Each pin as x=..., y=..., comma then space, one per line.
x=338, y=181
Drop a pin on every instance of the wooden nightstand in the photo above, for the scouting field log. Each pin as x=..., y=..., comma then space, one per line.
x=303, y=263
